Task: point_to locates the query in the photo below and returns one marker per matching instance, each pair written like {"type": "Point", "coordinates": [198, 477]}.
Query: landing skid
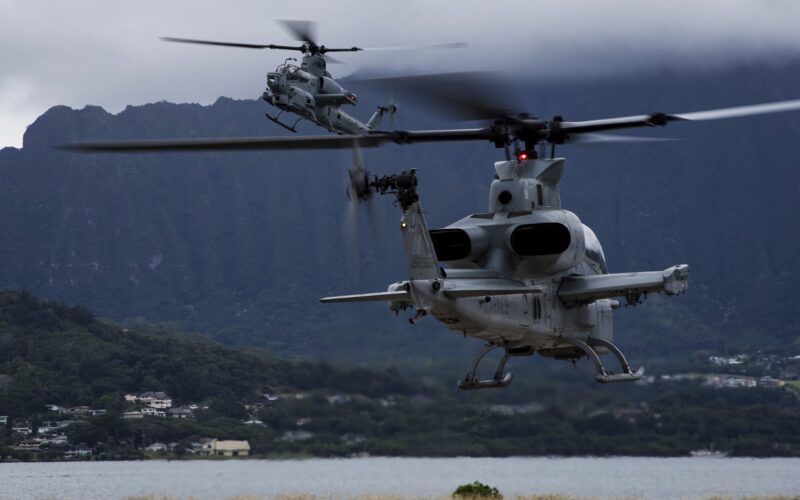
{"type": "Point", "coordinates": [277, 120]}
{"type": "Point", "coordinates": [471, 382]}
{"type": "Point", "coordinates": [604, 376]}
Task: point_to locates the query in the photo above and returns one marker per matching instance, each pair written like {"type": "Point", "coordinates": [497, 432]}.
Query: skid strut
{"type": "Point", "coordinates": [471, 381]}
{"type": "Point", "coordinates": [277, 120]}
{"type": "Point", "coordinates": [604, 376]}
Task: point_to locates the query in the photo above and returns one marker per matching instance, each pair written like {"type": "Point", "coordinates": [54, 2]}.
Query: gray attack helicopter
{"type": "Point", "coordinates": [527, 276]}
{"type": "Point", "coordinates": [308, 90]}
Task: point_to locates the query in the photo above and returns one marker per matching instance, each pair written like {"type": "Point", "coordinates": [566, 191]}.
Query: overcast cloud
{"type": "Point", "coordinates": [107, 52]}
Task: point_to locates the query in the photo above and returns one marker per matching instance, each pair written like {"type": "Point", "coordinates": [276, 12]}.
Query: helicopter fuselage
{"type": "Point", "coordinates": [309, 92]}
{"type": "Point", "coordinates": [527, 276]}
{"type": "Point", "coordinates": [535, 319]}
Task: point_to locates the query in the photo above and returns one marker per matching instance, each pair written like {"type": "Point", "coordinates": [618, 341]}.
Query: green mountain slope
{"type": "Point", "coordinates": [51, 353]}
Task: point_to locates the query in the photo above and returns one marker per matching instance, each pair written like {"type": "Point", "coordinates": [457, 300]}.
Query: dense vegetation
{"type": "Point", "coordinates": [51, 353]}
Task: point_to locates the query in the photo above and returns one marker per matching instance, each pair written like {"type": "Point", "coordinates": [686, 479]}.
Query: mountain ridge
{"type": "Point", "coordinates": [241, 246]}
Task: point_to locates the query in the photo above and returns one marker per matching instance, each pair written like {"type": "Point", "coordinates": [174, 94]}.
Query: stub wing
{"type": "Point", "coordinates": [452, 288]}
{"type": "Point", "coordinates": [369, 297]}
{"type": "Point", "coordinates": [456, 289]}
{"type": "Point", "coordinates": [584, 289]}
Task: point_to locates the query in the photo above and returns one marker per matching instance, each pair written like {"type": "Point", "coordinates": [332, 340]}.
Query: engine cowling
{"type": "Point", "coordinates": [552, 245]}
{"type": "Point", "coordinates": [456, 245]}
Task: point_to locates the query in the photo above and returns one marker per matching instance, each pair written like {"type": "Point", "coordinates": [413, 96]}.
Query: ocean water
{"type": "Point", "coordinates": [615, 477]}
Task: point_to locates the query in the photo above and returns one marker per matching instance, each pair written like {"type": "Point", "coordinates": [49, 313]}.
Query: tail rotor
{"type": "Point", "coordinates": [359, 193]}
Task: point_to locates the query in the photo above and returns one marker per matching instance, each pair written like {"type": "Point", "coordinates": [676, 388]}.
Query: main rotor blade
{"type": "Point", "coordinates": [453, 45]}
{"type": "Point", "coordinates": [305, 31]}
{"type": "Point", "coordinates": [560, 130]}
{"type": "Point", "coordinates": [570, 128]}
{"type": "Point", "coordinates": [613, 138]}
{"type": "Point", "coordinates": [232, 44]}
{"type": "Point", "coordinates": [325, 50]}
{"type": "Point", "coordinates": [283, 143]}
{"type": "Point", "coordinates": [464, 96]}
{"type": "Point", "coordinates": [227, 144]}
{"type": "Point", "coordinates": [737, 111]}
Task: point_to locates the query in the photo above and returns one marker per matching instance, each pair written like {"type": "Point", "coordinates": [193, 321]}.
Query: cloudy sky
{"type": "Point", "coordinates": [107, 52]}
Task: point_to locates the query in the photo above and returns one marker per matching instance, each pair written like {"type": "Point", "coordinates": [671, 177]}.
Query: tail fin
{"type": "Point", "coordinates": [375, 121]}
{"type": "Point", "coordinates": [420, 252]}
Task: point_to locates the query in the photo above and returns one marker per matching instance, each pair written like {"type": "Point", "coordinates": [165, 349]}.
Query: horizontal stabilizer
{"type": "Point", "coordinates": [368, 297]}
{"type": "Point", "coordinates": [584, 289]}
{"type": "Point", "coordinates": [457, 289]}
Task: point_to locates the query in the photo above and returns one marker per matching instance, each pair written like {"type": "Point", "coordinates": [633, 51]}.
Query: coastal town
{"type": "Point", "coordinates": [50, 435]}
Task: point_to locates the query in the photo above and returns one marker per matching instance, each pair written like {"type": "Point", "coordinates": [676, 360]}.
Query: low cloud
{"type": "Point", "coordinates": [108, 53]}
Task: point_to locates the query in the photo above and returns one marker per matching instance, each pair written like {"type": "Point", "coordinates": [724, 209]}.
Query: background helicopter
{"type": "Point", "coordinates": [308, 90]}
{"type": "Point", "coordinates": [527, 276]}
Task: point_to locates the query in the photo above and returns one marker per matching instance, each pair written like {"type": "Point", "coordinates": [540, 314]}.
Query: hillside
{"type": "Point", "coordinates": [61, 370]}
{"type": "Point", "coordinates": [57, 354]}
{"type": "Point", "coordinates": [240, 246]}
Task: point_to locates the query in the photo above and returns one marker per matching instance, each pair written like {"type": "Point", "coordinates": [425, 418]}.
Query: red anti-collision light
{"type": "Point", "coordinates": [522, 156]}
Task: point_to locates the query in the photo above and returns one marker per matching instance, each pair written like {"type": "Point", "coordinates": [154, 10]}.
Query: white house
{"type": "Point", "coordinates": [157, 447]}
{"type": "Point", "coordinates": [231, 448]}
{"type": "Point", "coordinates": [156, 399]}
{"type": "Point", "coordinates": [204, 446]}
{"type": "Point", "coordinates": [149, 411]}
{"type": "Point", "coordinates": [161, 403]}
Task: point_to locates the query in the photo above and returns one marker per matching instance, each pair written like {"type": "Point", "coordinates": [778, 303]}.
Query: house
{"type": "Point", "coordinates": [32, 445]}
{"type": "Point", "coordinates": [149, 411]}
{"type": "Point", "coordinates": [131, 398]}
{"type": "Point", "coordinates": [55, 409]}
{"type": "Point", "coordinates": [50, 426]}
{"type": "Point", "coordinates": [128, 415]}
{"type": "Point", "coordinates": [203, 446]}
{"type": "Point", "coordinates": [97, 413]}
{"type": "Point", "coordinates": [78, 453]}
{"type": "Point", "coordinates": [181, 412]}
{"type": "Point", "coordinates": [58, 439]}
{"type": "Point", "coordinates": [3, 420]}
{"type": "Point", "coordinates": [79, 410]}
{"type": "Point", "coordinates": [231, 448]}
{"type": "Point", "coordinates": [767, 381]}
{"type": "Point", "coordinates": [21, 427]}
{"type": "Point", "coordinates": [156, 399]}
{"type": "Point", "coordinates": [157, 447]}
{"type": "Point", "coordinates": [47, 427]}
